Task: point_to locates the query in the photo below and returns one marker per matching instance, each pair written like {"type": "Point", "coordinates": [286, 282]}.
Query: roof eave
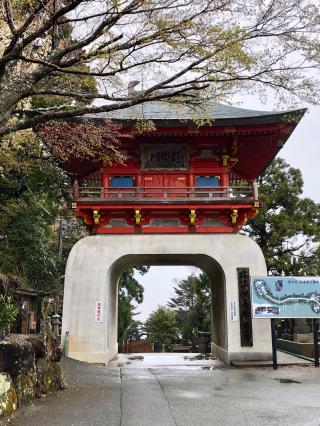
{"type": "Point", "coordinates": [293, 116]}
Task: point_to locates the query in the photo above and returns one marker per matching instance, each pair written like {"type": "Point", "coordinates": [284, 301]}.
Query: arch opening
{"type": "Point", "coordinates": [218, 310]}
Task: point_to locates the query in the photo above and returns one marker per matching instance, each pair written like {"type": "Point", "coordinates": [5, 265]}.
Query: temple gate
{"type": "Point", "coordinates": [180, 198]}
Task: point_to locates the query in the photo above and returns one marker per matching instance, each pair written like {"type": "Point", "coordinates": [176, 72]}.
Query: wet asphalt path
{"type": "Point", "coordinates": [166, 390]}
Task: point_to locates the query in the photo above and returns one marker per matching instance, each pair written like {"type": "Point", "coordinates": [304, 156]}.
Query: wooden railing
{"type": "Point", "coordinates": [164, 193]}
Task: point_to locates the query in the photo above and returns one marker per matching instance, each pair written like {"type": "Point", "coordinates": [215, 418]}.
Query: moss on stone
{"type": "Point", "coordinates": [11, 403]}
{"type": "Point", "coordinates": [26, 387]}
{"type": "Point", "coordinates": [8, 396]}
{"type": "Point", "coordinates": [55, 377]}
{"type": "Point", "coordinates": [50, 377]}
{"type": "Point", "coordinates": [28, 370]}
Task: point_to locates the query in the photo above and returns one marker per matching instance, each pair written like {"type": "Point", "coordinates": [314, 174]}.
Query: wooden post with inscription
{"type": "Point", "coordinates": [245, 313]}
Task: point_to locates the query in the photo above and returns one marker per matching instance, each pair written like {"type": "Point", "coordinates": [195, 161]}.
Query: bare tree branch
{"type": "Point", "coordinates": [8, 11]}
{"type": "Point", "coordinates": [57, 57]}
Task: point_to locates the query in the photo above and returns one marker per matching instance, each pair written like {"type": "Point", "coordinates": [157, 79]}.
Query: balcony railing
{"type": "Point", "coordinates": [162, 194]}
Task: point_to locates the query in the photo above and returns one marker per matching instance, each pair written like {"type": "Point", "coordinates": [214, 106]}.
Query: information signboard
{"type": "Point", "coordinates": [285, 297]}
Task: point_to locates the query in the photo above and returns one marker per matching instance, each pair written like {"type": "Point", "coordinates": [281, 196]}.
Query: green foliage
{"type": "Point", "coordinates": [161, 326]}
{"type": "Point", "coordinates": [33, 195]}
{"type": "Point", "coordinates": [192, 304]}
{"type": "Point", "coordinates": [130, 292]}
{"type": "Point", "coordinates": [24, 6]}
{"type": "Point", "coordinates": [134, 331]}
{"type": "Point", "coordinates": [288, 226]}
{"type": "Point", "coordinates": [76, 83]}
{"type": "Point", "coordinates": [8, 311]}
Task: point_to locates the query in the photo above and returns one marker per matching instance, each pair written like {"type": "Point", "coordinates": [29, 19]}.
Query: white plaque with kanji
{"type": "Point", "coordinates": [99, 312]}
{"type": "Point", "coordinates": [233, 311]}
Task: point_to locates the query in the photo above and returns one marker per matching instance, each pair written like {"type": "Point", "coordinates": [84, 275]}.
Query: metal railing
{"type": "Point", "coordinates": [162, 193]}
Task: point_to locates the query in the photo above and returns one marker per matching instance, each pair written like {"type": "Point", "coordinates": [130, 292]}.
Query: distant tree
{"type": "Point", "coordinates": [177, 48]}
{"type": "Point", "coordinates": [192, 304]}
{"type": "Point", "coordinates": [130, 293]}
{"type": "Point", "coordinates": [287, 228]}
{"type": "Point", "coordinates": [35, 224]}
{"type": "Point", "coordinates": [134, 331]}
{"type": "Point", "coordinates": [161, 326]}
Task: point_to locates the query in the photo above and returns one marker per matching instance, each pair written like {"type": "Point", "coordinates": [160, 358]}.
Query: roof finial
{"type": "Point", "coordinates": [131, 85]}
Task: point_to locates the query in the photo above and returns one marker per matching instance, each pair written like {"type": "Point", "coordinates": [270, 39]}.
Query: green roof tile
{"type": "Point", "coordinates": [164, 111]}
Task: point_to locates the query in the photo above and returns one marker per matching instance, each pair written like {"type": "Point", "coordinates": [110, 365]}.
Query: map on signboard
{"type": "Point", "coordinates": [285, 297]}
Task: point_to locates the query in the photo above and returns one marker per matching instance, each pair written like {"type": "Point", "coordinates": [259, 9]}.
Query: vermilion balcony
{"type": "Point", "coordinates": [159, 195]}
{"type": "Point", "coordinates": [165, 209]}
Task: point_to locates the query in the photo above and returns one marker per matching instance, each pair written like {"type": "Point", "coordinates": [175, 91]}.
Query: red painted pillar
{"type": "Point", "coordinates": [104, 184]}
{"type": "Point", "coordinates": [75, 190]}
{"type": "Point", "coordinates": [138, 185]}
{"type": "Point", "coordinates": [225, 183]}
{"type": "Point", "coordinates": [191, 184]}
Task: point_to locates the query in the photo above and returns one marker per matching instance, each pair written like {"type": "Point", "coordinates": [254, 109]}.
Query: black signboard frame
{"type": "Point", "coordinates": [164, 156]}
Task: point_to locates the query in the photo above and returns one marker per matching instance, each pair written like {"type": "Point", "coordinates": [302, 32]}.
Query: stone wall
{"type": "Point", "coordinates": [29, 369]}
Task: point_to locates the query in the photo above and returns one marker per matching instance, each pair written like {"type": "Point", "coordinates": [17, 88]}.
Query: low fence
{"type": "Point", "coordinates": [141, 346]}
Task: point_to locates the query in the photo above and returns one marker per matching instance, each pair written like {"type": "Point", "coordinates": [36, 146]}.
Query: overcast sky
{"type": "Point", "coordinates": [302, 151]}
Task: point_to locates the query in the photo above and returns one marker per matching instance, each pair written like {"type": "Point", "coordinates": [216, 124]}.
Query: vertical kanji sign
{"type": "Point", "coordinates": [233, 311]}
{"type": "Point", "coordinates": [99, 312]}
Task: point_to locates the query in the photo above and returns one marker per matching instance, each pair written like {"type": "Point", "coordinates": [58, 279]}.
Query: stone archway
{"type": "Point", "coordinates": [96, 263]}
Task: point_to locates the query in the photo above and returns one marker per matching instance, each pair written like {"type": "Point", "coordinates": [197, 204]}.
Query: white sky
{"type": "Point", "coordinates": [158, 285]}
{"type": "Point", "coordinates": [302, 151]}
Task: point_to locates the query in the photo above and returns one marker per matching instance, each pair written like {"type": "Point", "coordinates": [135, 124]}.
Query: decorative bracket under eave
{"type": "Point", "coordinates": [225, 160]}
{"type": "Point", "coordinates": [228, 161]}
{"type": "Point", "coordinates": [256, 208]}
{"type": "Point", "coordinates": [234, 216]}
{"type": "Point", "coordinates": [193, 217]}
{"type": "Point", "coordinates": [137, 217]}
{"type": "Point", "coordinates": [96, 217]}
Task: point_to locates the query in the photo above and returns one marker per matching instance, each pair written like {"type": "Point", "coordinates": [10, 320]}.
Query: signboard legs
{"type": "Point", "coordinates": [315, 342]}
{"type": "Point", "coordinates": [274, 344]}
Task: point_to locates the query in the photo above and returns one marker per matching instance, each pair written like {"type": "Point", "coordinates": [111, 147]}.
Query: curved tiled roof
{"type": "Point", "coordinates": [256, 149]}
{"type": "Point", "coordinates": [162, 111]}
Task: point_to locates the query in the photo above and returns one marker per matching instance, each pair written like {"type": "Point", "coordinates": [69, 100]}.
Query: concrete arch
{"type": "Point", "coordinates": [95, 265]}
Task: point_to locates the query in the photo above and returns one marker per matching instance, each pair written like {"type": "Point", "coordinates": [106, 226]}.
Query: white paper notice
{"type": "Point", "coordinates": [99, 312]}
{"type": "Point", "coordinates": [233, 311]}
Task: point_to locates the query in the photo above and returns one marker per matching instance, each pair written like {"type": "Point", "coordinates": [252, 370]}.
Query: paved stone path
{"type": "Point", "coordinates": [167, 390]}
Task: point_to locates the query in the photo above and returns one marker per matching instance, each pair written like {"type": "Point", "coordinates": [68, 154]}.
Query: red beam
{"type": "Point", "coordinates": [166, 230]}
{"type": "Point", "coordinates": [162, 206]}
